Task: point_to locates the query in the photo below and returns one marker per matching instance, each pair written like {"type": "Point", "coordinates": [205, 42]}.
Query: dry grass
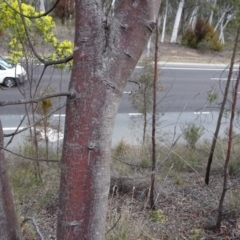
{"type": "Point", "coordinates": [186, 207]}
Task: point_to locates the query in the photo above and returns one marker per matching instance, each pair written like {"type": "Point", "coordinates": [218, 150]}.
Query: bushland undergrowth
{"type": "Point", "coordinates": [186, 207]}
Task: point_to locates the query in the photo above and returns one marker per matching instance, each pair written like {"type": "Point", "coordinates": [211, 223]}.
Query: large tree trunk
{"type": "Point", "coordinates": [9, 228]}
{"type": "Point", "coordinates": [106, 53]}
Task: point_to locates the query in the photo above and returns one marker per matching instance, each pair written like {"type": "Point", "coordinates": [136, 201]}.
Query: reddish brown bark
{"type": "Point", "coordinates": [154, 112]}
{"type": "Point", "coordinates": [9, 228]}
{"type": "Point", "coordinates": [106, 52]}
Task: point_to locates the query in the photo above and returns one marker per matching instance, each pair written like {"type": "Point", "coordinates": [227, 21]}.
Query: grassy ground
{"type": "Point", "coordinates": [186, 207]}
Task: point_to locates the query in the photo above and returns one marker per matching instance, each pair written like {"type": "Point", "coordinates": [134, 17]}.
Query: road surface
{"type": "Point", "coordinates": [185, 87]}
{"type": "Point", "coordinates": [183, 99]}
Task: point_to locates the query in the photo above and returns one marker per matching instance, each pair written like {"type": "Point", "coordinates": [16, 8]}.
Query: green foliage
{"type": "Point", "coordinates": [212, 96]}
{"type": "Point", "coordinates": [184, 160]}
{"type": "Point", "coordinates": [234, 167]}
{"type": "Point", "coordinates": [125, 228]}
{"type": "Point", "coordinates": [196, 233]}
{"type": "Point", "coordinates": [189, 38]}
{"type": "Point", "coordinates": [121, 149]}
{"type": "Point", "coordinates": [203, 37]}
{"type": "Point", "coordinates": [192, 133]}
{"type": "Point", "coordinates": [40, 31]}
{"type": "Point", "coordinates": [204, 45]}
{"type": "Point", "coordinates": [146, 161]}
{"type": "Point", "coordinates": [157, 216]}
{"type": "Point", "coordinates": [46, 105]}
{"type": "Point", "coordinates": [142, 98]}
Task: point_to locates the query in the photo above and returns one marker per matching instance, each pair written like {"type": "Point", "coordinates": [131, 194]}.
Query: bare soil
{"type": "Point", "coordinates": [177, 53]}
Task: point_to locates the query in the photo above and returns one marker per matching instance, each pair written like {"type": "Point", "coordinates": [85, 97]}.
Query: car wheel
{"type": "Point", "coordinates": [9, 82]}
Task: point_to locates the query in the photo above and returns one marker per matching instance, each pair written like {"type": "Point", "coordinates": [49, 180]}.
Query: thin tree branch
{"type": "Point", "coordinates": [33, 17]}
{"type": "Point", "coordinates": [19, 125]}
{"type": "Point", "coordinates": [114, 225]}
{"type": "Point", "coordinates": [36, 100]}
{"type": "Point", "coordinates": [29, 158]}
{"type": "Point", "coordinates": [229, 151]}
{"type": "Point", "coordinates": [130, 164]}
{"type": "Point", "coordinates": [210, 158]}
{"type": "Point", "coordinates": [29, 219]}
{"type": "Point", "coordinates": [24, 129]}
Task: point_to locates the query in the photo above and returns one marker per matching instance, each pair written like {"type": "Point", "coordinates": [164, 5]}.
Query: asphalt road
{"type": "Point", "coordinates": [183, 99]}
{"type": "Point", "coordinates": [185, 88]}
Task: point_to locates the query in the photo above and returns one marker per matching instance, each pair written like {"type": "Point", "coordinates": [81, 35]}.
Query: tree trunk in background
{"type": "Point", "coordinates": [177, 22]}
{"type": "Point", "coordinates": [149, 47]}
{"type": "Point", "coordinates": [9, 228]}
{"type": "Point", "coordinates": [194, 15]}
{"type": "Point", "coordinates": [105, 54]}
{"type": "Point", "coordinates": [42, 6]}
{"type": "Point", "coordinates": [210, 21]}
{"type": "Point", "coordinates": [164, 22]}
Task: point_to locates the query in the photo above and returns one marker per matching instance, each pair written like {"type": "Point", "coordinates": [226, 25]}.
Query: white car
{"type": "Point", "coordinates": [11, 75]}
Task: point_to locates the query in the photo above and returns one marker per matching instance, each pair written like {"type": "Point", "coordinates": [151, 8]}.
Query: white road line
{"type": "Point", "coordinates": [195, 64]}
{"type": "Point", "coordinates": [198, 69]}
{"type": "Point", "coordinates": [135, 114]}
{"type": "Point", "coordinates": [61, 115]}
{"type": "Point", "coordinates": [192, 68]}
{"type": "Point", "coordinates": [11, 128]}
{"type": "Point", "coordinates": [222, 79]}
{"type": "Point", "coordinates": [198, 113]}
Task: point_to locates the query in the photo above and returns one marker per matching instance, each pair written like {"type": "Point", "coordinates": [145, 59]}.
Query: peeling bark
{"type": "Point", "coordinates": [105, 55]}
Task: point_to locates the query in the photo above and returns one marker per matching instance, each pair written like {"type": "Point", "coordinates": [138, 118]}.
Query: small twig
{"type": "Point", "coordinates": [29, 158]}
{"type": "Point", "coordinates": [114, 225]}
{"type": "Point", "coordinates": [24, 129]}
{"type": "Point", "coordinates": [136, 82]}
{"type": "Point", "coordinates": [36, 100]}
{"type": "Point", "coordinates": [33, 17]}
{"type": "Point", "coordinates": [29, 219]}
{"type": "Point", "coordinates": [130, 164]}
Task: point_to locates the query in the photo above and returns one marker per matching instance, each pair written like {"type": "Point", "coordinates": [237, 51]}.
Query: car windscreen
{"type": "Point", "coordinates": [6, 64]}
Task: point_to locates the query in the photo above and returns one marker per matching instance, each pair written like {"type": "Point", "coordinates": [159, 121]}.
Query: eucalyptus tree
{"type": "Point", "coordinates": [177, 21]}
{"type": "Point", "coordinates": [107, 48]}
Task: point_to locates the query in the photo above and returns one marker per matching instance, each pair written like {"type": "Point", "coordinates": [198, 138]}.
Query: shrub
{"type": "Point", "coordinates": [199, 30]}
{"type": "Point", "coordinates": [203, 37]}
{"type": "Point", "coordinates": [189, 38]}
{"type": "Point", "coordinates": [192, 133]}
{"type": "Point", "coordinates": [204, 45]}
{"type": "Point", "coordinates": [121, 148]}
